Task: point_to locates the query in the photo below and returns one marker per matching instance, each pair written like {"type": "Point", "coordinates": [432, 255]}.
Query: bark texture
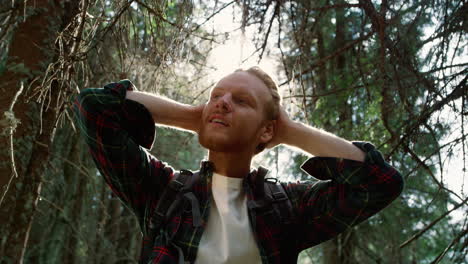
{"type": "Point", "coordinates": [31, 50]}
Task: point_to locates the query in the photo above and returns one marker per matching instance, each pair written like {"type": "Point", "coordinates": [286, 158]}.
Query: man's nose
{"type": "Point", "coordinates": [224, 102]}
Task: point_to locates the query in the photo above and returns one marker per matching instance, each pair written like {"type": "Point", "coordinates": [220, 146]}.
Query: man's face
{"type": "Point", "coordinates": [233, 119]}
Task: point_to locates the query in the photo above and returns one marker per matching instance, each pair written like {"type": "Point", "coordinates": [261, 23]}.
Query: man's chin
{"type": "Point", "coordinates": [216, 144]}
{"type": "Point", "coordinates": [212, 145]}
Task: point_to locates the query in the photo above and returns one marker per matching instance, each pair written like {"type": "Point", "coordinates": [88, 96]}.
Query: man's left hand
{"type": "Point", "coordinates": [282, 128]}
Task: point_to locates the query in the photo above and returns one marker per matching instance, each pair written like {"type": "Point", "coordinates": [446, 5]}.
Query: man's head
{"type": "Point", "coordinates": [241, 112]}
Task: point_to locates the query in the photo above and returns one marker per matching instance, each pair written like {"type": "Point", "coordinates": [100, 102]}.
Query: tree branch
{"type": "Point", "coordinates": [422, 231]}
{"type": "Point", "coordinates": [458, 92]}
{"type": "Point", "coordinates": [454, 241]}
{"type": "Point", "coordinates": [329, 57]}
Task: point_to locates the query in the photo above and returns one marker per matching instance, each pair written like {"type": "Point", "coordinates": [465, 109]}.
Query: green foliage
{"type": "Point", "coordinates": [360, 95]}
{"type": "Point", "coordinates": [180, 150]}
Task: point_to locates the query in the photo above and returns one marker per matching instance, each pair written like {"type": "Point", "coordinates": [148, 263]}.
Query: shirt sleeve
{"type": "Point", "coordinates": [118, 131]}
{"type": "Point", "coordinates": [347, 192]}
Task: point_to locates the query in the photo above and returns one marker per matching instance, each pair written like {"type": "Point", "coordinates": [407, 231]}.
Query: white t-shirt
{"type": "Point", "coordinates": [228, 237]}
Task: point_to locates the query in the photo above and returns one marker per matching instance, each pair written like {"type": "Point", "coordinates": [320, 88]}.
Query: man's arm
{"type": "Point", "coordinates": [312, 140]}
{"type": "Point", "coordinates": [117, 130]}
{"type": "Point", "coordinates": [354, 182]}
{"type": "Point", "coordinates": [168, 112]}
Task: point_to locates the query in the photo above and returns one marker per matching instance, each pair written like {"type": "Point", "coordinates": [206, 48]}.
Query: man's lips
{"type": "Point", "coordinates": [218, 120]}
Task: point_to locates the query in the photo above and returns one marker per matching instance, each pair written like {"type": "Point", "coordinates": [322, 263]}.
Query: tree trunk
{"type": "Point", "coordinates": [331, 252]}
{"type": "Point", "coordinates": [113, 226]}
{"type": "Point", "coordinates": [98, 248]}
{"type": "Point", "coordinates": [31, 49]}
{"type": "Point", "coordinates": [51, 224]}
{"type": "Point", "coordinates": [322, 71]}
{"type": "Point", "coordinates": [340, 249]}
{"type": "Point", "coordinates": [340, 70]}
{"type": "Point", "coordinates": [75, 215]}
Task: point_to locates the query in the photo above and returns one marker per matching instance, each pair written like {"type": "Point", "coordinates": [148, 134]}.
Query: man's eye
{"type": "Point", "coordinates": [240, 100]}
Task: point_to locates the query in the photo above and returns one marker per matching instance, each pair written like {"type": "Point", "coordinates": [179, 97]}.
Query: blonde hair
{"type": "Point", "coordinates": [272, 108]}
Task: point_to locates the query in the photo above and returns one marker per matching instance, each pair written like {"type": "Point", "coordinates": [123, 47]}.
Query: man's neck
{"type": "Point", "coordinates": [236, 165]}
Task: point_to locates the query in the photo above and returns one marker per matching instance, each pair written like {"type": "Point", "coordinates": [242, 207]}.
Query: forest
{"type": "Point", "coordinates": [390, 72]}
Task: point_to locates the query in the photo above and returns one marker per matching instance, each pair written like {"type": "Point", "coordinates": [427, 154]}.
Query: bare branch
{"type": "Point", "coordinates": [10, 125]}
{"type": "Point", "coordinates": [457, 92]}
{"type": "Point", "coordinates": [422, 231]}
{"type": "Point", "coordinates": [329, 57]}
{"type": "Point", "coordinates": [275, 13]}
{"type": "Point", "coordinates": [454, 241]}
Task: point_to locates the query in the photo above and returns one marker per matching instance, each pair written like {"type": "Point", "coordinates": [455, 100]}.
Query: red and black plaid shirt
{"type": "Point", "coordinates": [118, 132]}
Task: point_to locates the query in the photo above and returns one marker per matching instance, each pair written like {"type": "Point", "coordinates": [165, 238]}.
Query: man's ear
{"type": "Point", "coordinates": [268, 131]}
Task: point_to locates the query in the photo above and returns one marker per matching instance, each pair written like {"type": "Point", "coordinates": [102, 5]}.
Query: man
{"type": "Point", "coordinates": [242, 116]}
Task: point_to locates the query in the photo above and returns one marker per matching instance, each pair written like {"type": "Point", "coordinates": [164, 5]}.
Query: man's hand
{"type": "Point", "coordinates": [312, 140]}
{"type": "Point", "coordinates": [282, 129]}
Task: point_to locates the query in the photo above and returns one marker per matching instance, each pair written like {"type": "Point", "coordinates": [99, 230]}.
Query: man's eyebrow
{"type": "Point", "coordinates": [246, 94]}
{"type": "Point", "coordinates": [217, 88]}
{"type": "Point", "coordinates": [249, 97]}
{"type": "Point", "coordinates": [239, 93]}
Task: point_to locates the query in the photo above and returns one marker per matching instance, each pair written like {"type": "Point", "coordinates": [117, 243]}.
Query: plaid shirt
{"type": "Point", "coordinates": [118, 130]}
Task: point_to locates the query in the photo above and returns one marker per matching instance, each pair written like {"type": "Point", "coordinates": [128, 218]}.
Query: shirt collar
{"type": "Point", "coordinates": [253, 180]}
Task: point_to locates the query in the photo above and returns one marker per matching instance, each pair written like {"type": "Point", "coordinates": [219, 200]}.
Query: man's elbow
{"type": "Point", "coordinates": [398, 184]}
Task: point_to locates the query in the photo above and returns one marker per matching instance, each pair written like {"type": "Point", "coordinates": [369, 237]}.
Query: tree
{"type": "Point", "coordinates": [30, 32]}
{"type": "Point", "coordinates": [57, 48]}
